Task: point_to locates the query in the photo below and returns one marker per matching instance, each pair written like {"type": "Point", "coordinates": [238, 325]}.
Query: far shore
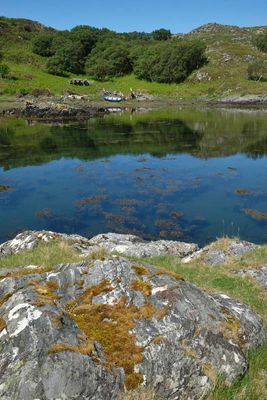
{"type": "Point", "coordinates": [71, 107]}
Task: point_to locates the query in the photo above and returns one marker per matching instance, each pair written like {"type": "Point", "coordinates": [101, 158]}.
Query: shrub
{"type": "Point", "coordinates": [55, 67]}
{"type": "Point", "coordinates": [257, 71]}
{"type": "Point", "coordinates": [4, 70]}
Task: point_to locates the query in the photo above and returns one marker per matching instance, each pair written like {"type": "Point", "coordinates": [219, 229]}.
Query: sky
{"type": "Point", "coordinates": [140, 15]}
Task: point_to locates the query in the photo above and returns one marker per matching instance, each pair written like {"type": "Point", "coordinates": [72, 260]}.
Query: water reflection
{"type": "Point", "coordinates": [174, 174]}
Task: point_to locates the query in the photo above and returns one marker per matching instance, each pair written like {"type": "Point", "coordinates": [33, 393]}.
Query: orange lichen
{"type": "Point", "coordinates": [210, 372]}
{"type": "Point", "coordinates": [191, 352]}
{"type": "Point", "coordinates": [45, 292]}
{"type": "Point", "coordinates": [56, 321]}
{"type": "Point", "coordinates": [141, 286]}
{"type": "Point", "coordinates": [86, 348]}
{"type": "Point", "coordinates": [157, 339]}
{"type": "Point", "coordinates": [231, 329]}
{"type": "Point", "coordinates": [133, 380]}
{"type": "Point", "coordinates": [2, 324]}
{"type": "Point", "coordinates": [25, 271]}
{"type": "Point", "coordinates": [140, 270]}
{"type": "Point", "coordinates": [4, 298]}
{"type": "Point", "coordinates": [93, 291]}
{"type": "Point", "coordinates": [162, 312]}
{"type": "Point", "coordinates": [147, 310]}
{"type": "Point", "coordinates": [163, 271]}
{"type": "Point", "coordinates": [111, 326]}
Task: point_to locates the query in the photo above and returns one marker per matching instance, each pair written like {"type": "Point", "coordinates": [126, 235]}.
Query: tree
{"type": "Point", "coordinates": [43, 45]}
{"type": "Point", "coordinates": [257, 71]}
{"type": "Point", "coordinates": [109, 59]}
{"type": "Point", "coordinates": [72, 48]}
{"type": "Point", "coordinates": [86, 37]}
{"type": "Point", "coordinates": [171, 62]}
{"type": "Point", "coordinates": [55, 67]}
{"type": "Point", "coordinates": [261, 41]}
{"type": "Point", "coordinates": [161, 34]}
{"type": "Point", "coordinates": [141, 36]}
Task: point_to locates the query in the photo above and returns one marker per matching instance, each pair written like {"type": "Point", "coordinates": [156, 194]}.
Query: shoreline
{"type": "Point", "coordinates": [68, 108]}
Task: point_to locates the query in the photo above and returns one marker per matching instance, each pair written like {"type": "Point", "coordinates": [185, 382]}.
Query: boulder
{"type": "Point", "coordinates": [92, 329]}
{"type": "Point", "coordinates": [220, 252]}
{"type": "Point", "coordinates": [260, 274]}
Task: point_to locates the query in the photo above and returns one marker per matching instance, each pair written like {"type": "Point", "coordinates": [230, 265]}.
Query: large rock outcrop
{"type": "Point", "coordinates": [127, 245]}
{"type": "Point", "coordinates": [91, 329]}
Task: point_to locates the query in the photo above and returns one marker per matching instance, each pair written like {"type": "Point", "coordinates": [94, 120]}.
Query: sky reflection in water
{"type": "Point", "coordinates": [188, 175]}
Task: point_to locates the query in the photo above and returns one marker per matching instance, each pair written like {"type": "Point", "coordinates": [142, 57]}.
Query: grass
{"type": "Point", "coordinates": [220, 278]}
{"type": "Point", "coordinates": [253, 386]}
{"type": "Point", "coordinates": [45, 255]}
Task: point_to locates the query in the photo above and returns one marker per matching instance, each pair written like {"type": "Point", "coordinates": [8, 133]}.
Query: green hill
{"type": "Point", "coordinates": [230, 49]}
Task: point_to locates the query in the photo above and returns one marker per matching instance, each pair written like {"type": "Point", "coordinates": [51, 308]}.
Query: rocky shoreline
{"type": "Point", "coordinates": [106, 324]}
{"type": "Point", "coordinates": [73, 107]}
{"type": "Point", "coordinates": [52, 111]}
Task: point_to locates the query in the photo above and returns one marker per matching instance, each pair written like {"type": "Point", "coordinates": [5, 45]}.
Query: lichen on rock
{"type": "Point", "coordinates": [95, 328]}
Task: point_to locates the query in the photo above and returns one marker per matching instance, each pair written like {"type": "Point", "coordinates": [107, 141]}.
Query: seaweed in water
{"type": "Point", "coordinates": [243, 192]}
{"type": "Point", "coordinates": [258, 215]}
{"type": "Point", "coordinates": [4, 188]}
{"type": "Point", "coordinates": [90, 199]}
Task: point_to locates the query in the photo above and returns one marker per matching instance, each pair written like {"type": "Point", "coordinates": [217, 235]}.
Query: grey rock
{"type": "Point", "coordinates": [50, 111]}
{"type": "Point", "coordinates": [133, 246]}
{"type": "Point", "coordinates": [202, 75]}
{"type": "Point", "coordinates": [226, 57]}
{"type": "Point", "coordinates": [260, 274]}
{"type": "Point", "coordinates": [128, 245]}
{"type": "Point", "coordinates": [240, 247]}
{"type": "Point", "coordinates": [246, 99]}
{"type": "Point", "coordinates": [214, 255]}
{"type": "Point", "coordinates": [249, 57]}
{"type": "Point", "coordinates": [189, 337]}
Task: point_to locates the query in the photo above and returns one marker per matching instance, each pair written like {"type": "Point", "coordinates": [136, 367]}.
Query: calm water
{"type": "Point", "coordinates": [186, 175]}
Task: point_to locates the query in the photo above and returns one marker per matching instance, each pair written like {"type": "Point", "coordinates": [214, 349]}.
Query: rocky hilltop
{"type": "Point", "coordinates": [106, 324]}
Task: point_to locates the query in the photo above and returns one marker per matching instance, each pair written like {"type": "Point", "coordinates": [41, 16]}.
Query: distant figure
{"type": "Point", "coordinates": [132, 94]}
{"type": "Point", "coordinates": [29, 104]}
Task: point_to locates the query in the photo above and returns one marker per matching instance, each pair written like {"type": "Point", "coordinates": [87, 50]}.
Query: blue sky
{"type": "Point", "coordinates": [141, 15]}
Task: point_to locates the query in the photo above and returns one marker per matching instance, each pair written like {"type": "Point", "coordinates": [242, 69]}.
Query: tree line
{"type": "Point", "coordinates": [104, 54]}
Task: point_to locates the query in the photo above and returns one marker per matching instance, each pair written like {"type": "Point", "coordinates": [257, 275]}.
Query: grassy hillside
{"type": "Point", "coordinates": [229, 51]}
